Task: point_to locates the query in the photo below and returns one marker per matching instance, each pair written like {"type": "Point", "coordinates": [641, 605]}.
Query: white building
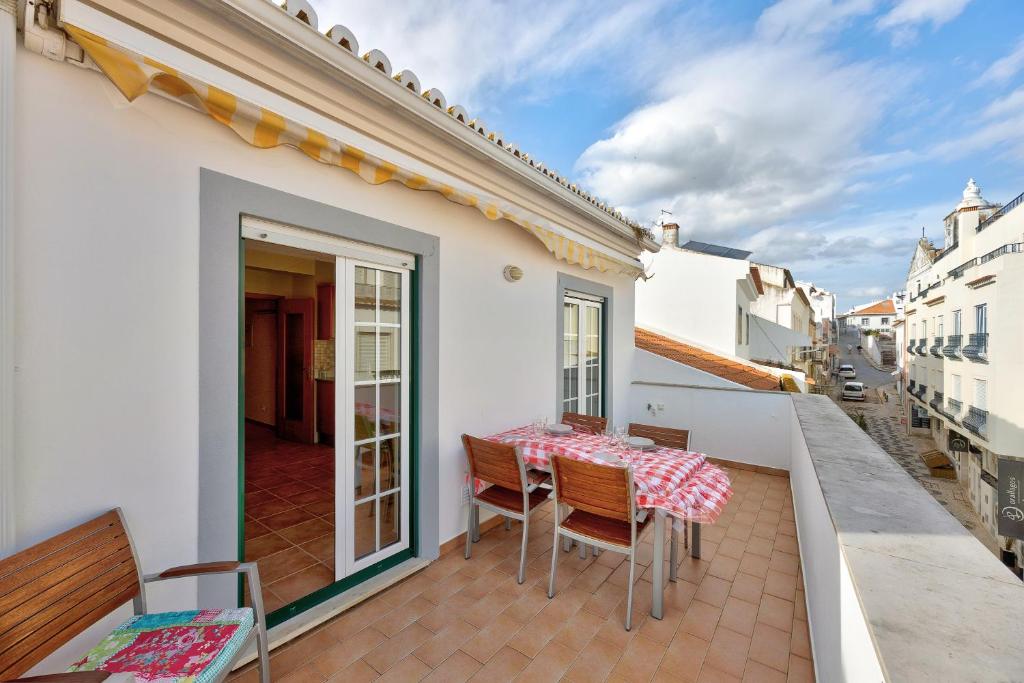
{"type": "Point", "coordinates": [877, 316]}
{"type": "Point", "coordinates": [963, 326]}
{"type": "Point", "coordinates": [217, 169]}
{"type": "Point", "coordinates": [783, 302]}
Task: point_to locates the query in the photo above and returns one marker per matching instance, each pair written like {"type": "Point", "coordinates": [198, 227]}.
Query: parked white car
{"type": "Point", "coordinates": [847, 372]}
{"type": "Point", "coordinates": [853, 391]}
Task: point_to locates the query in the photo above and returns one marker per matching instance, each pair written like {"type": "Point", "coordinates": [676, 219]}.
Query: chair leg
{"type": "Point", "coordinates": [673, 555]}
{"type": "Point", "coordinates": [583, 551]}
{"type": "Point", "coordinates": [469, 528]}
{"type": "Point", "coordinates": [566, 544]}
{"type": "Point", "coordinates": [554, 565]}
{"type": "Point", "coordinates": [522, 553]}
{"type": "Point", "coordinates": [508, 524]}
{"type": "Point", "coordinates": [476, 524]}
{"type": "Point", "coordinates": [629, 594]}
{"type": "Point", "coordinates": [261, 647]}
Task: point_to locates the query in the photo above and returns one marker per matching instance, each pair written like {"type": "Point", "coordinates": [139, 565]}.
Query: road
{"type": "Point", "coordinates": [866, 372]}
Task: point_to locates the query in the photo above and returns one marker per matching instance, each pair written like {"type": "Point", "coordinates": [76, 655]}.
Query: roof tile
{"type": "Point", "coordinates": [719, 366]}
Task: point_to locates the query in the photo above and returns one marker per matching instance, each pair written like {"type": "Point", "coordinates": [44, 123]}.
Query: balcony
{"type": "Point", "coordinates": [919, 392]}
{"type": "Point", "coordinates": [921, 346]}
{"type": "Point", "coordinates": [977, 347]}
{"type": "Point", "coordinates": [910, 347]}
{"type": "Point", "coordinates": [936, 348]}
{"type": "Point", "coordinates": [937, 402]}
{"type": "Point", "coordinates": [952, 348]}
{"type": "Point", "coordinates": [976, 421]}
{"type": "Point", "coordinates": [955, 408]}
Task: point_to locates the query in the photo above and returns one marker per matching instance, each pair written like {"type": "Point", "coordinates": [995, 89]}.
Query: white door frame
{"type": "Point", "coordinates": [584, 303]}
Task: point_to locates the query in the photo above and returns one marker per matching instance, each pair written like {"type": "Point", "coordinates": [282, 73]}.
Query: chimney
{"type": "Point", "coordinates": [670, 235]}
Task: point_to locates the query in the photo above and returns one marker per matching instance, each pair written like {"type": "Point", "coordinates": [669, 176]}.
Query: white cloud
{"type": "Point", "coordinates": [474, 51]}
{"type": "Point", "coordinates": [745, 137]}
{"type": "Point", "coordinates": [1005, 68]}
{"type": "Point", "coordinates": [904, 19]}
{"type": "Point", "coordinates": [792, 19]}
{"type": "Point", "coordinates": [875, 291]}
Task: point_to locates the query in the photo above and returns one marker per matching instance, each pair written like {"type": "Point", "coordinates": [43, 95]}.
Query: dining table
{"type": "Point", "coordinates": [670, 483]}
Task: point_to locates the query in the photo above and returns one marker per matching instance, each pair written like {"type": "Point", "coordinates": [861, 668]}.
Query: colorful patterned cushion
{"type": "Point", "coordinates": [172, 647]}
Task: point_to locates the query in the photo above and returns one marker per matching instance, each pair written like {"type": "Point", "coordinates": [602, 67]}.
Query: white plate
{"type": "Point", "coordinates": [559, 429]}
{"type": "Point", "coordinates": [608, 457]}
{"type": "Point", "coordinates": [641, 442]}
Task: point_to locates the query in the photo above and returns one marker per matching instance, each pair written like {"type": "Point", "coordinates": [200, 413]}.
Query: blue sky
{"type": "Point", "coordinates": [820, 134]}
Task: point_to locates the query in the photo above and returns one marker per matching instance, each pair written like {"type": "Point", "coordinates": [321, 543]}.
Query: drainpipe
{"type": "Point", "coordinates": [8, 41]}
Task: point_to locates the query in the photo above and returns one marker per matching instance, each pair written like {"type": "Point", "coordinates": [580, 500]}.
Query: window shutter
{"type": "Point", "coordinates": [980, 394]}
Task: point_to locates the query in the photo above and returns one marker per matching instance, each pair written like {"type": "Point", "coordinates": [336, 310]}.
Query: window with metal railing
{"type": "Point", "coordinates": [952, 348]}
{"type": "Point", "coordinates": [976, 421]}
{"type": "Point", "coordinates": [936, 347]}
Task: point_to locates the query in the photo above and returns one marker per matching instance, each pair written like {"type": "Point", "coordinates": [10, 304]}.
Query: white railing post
{"type": "Point", "coordinates": [8, 42]}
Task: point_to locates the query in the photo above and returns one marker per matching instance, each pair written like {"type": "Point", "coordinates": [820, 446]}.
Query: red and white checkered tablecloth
{"type": "Point", "coordinates": [682, 483]}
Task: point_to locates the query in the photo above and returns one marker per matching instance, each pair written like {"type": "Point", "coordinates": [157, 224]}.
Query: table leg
{"type": "Point", "coordinates": [658, 576]}
{"type": "Point", "coordinates": [695, 548]}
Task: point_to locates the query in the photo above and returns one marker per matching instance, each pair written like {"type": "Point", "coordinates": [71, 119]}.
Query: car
{"type": "Point", "coordinates": [847, 372]}
{"type": "Point", "coordinates": [854, 391]}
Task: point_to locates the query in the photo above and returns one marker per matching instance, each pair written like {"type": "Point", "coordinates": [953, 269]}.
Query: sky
{"type": "Point", "coordinates": [822, 135]}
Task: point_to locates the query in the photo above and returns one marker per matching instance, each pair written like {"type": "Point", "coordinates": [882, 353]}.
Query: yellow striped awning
{"type": "Point", "coordinates": [135, 75]}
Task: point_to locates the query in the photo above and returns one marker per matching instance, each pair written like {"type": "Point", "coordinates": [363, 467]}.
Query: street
{"type": "Point", "coordinates": [886, 425]}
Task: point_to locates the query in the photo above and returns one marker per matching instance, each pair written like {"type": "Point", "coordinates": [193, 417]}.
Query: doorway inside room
{"type": "Point", "coordinates": [326, 364]}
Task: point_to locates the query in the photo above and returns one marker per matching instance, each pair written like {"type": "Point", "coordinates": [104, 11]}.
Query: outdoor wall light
{"type": "Point", "coordinates": [513, 273]}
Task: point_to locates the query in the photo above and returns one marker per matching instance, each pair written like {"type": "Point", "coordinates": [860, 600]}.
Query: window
{"type": "Point", "coordinates": [981, 318]}
{"type": "Point", "coordinates": [955, 394]}
{"type": "Point", "coordinates": [956, 321]}
{"type": "Point", "coordinates": [748, 329]}
{"type": "Point", "coordinates": [980, 394]}
{"type": "Point", "coordinates": [924, 329]}
{"type": "Point", "coordinates": [864, 322]}
{"type": "Point", "coordinates": [739, 325]}
{"type": "Point", "coordinates": [913, 331]}
{"type": "Point", "coordinates": [938, 329]}
{"type": "Point", "coordinates": [582, 357]}
{"type": "Point", "coordinates": [885, 321]}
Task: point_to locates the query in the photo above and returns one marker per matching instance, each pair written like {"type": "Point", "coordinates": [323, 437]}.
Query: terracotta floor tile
{"type": "Point", "coordinates": [503, 666]}
{"type": "Point", "coordinates": [640, 660]}
{"type": "Point", "coordinates": [731, 547]}
{"type": "Point", "coordinates": [711, 675]}
{"type": "Point", "coordinates": [728, 652]}
{"type": "Point", "coordinates": [302, 583]}
{"type": "Point", "coordinates": [769, 647]}
{"type": "Point", "coordinates": [701, 620]}
{"type": "Point", "coordinates": [264, 546]}
{"type": "Point", "coordinates": [307, 531]}
{"type": "Point", "coordinates": [549, 664]}
{"type": "Point", "coordinates": [456, 669]}
{"type": "Point", "coordinates": [776, 612]}
{"type": "Point", "coordinates": [356, 672]}
{"type": "Point", "coordinates": [759, 546]}
{"type": "Point", "coordinates": [448, 612]}
{"type": "Point", "coordinates": [392, 650]}
{"type": "Point", "coordinates": [683, 658]}
{"type": "Point", "coordinates": [269, 508]}
{"type": "Point", "coordinates": [528, 604]}
{"type": "Point", "coordinates": [577, 633]}
{"type": "Point", "coordinates": [408, 670]}
{"type": "Point", "coordinates": [340, 656]}
{"type": "Point", "coordinates": [285, 519]}
{"type": "Point", "coordinates": [747, 587]}
{"type": "Point", "coordinates": [800, 670]}
{"type": "Point", "coordinates": [491, 639]}
{"type": "Point", "coordinates": [787, 563]}
{"type": "Point", "coordinates": [713, 591]}
{"type": "Point", "coordinates": [304, 674]}
{"type": "Point", "coordinates": [321, 548]}
{"type": "Point", "coordinates": [443, 645]}
{"type": "Point", "coordinates": [800, 644]}
{"type": "Point", "coordinates": [780, 585]}
{"type": "Point", "coordinates": [594, 663]}
{"type": "Point", "coordinates": [400, 617]}
{"type": "Point", "coordinates": [759, 673]}
{"type": "Point", "coordinates": [724, 567]}
{"type": "Point", "coordinates": [755, 565]}
{"type": "Point", "coordinates": [739, 616]}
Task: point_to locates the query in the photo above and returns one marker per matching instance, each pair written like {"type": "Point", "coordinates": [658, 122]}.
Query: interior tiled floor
{"type": "Point", "coordinates": [289, 515]}
{"type": "Point", "coordinates": [736, 614]}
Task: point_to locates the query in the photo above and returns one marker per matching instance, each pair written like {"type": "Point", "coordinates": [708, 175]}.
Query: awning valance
{"type": "Point", "coordinates": [135, 74]}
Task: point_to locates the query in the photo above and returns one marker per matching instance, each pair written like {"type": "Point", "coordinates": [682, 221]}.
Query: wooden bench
{"type": "Point", "coordinates": [58, 588]}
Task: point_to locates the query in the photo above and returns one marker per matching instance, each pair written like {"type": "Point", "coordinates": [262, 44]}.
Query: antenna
{"type": "Point", "coordinates": [664, 212]}
{"type": "Point", "coordinates": [922, 232]}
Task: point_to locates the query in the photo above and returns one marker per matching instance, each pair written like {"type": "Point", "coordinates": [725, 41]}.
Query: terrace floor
{"type": "Point", "coordinates": [736, 614]}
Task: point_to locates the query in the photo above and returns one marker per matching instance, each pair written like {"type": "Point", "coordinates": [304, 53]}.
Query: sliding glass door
{"type": "Point", "coordinates": [582, 361]}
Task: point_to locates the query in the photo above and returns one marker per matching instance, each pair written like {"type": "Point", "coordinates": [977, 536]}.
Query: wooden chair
{"type": "Point", "coordinates": [663, 436]}
{"type": "Point", "coordinates": [603, 513]}
{"type": "Point", "coordinates": [592, 424]}
{"type": "Point", "coordinates": [669, 438]}
{"type": "Point", "coordinates": [510, 492]}
{"type": "Point", "coordinates": [58, 588]}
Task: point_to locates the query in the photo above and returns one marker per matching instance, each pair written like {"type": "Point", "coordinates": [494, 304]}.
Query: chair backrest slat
{"type": "Point", "coordinates": [493, 462]}
{"type": "Point", "coordinates": [588, 423]}
{"type": "Point", "coordinates": [603, 490]}
{"type": "Point", "coordinates": [53, 591]}
{"type": "Point", "coordinates": [663, 436]}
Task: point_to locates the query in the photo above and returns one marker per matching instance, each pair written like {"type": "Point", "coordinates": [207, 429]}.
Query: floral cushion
{"type": "Point", "coordinates": [172, 647]}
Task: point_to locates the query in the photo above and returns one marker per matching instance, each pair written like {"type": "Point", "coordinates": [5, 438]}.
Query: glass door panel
{"type": "Point", "coordinates": [570, 357]}
{"type": "Point", "coordinates": [375, 515]}
{"type": "Point", "coordinates": [581, 356]}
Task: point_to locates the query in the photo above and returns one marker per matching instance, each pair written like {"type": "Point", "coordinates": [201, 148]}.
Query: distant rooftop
{"type": "Point", "coordinates": [716, 250]}
{"type": "Point", "coordinates": [698, 358]}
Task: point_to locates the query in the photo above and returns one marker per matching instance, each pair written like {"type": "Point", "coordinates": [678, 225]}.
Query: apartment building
{"type": "Point", "coordinates": [962, 324]}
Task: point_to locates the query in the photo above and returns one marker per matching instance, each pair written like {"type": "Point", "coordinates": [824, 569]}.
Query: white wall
{"type": "Point", "coordinates": [650, 367]}
{"type": "Point", "coordinates": [737, 424]}
{"type": "Point", "coordinates": [107, 300]}
{"type": "Point", "coordinates": [773, 342]}
{"type": "Point", "coordinates": [693, 296]}
{"type": "Point", "coordinates": [869, 343]}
